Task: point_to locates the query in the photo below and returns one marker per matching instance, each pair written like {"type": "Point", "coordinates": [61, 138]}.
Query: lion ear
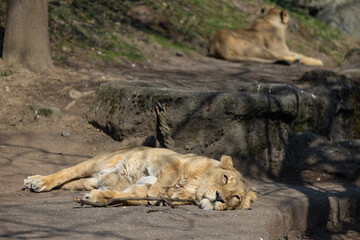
{"type": "Point", "coordinates": [226, 161]}
{"type": "Point", "coordinates": [264, 9]}
{"type": "Point", "coordinates": [284, 16]}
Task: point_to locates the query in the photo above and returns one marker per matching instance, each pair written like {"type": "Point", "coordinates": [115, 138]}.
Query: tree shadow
{"type": "Point", "coordinates": [2, 35]}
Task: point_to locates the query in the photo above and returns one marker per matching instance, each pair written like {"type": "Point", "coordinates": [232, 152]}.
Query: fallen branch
{"type": "Point", "coordinates": [120, 201]}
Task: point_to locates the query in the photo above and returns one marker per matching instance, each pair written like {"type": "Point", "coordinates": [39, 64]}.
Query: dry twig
{"type": "Point", "coordinates": [121, 201]}
{"type": "Point", "coordinates": [155, 210]}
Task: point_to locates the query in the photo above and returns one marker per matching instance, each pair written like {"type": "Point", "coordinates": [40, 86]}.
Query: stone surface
{"type": "Point", "coordinates": [351, 65]}
{"type": "Point", "coordinates": [251, 121]}
{"type": "Point", "coordinates": [352, 57]}
{"type": "Point", "coordinates": [316, 153]}
{"type": "Point", "coordinates": [342, 14]}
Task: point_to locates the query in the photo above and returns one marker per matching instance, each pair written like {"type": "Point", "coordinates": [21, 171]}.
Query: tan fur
{"type": "Point", "coordinates": [153, 172]}
{"type": "Point", "coordinates": [262, 41]}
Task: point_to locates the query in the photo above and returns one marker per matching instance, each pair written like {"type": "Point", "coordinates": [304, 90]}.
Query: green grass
{"type": "Point", "coordinates": [59, 58]}
{"type": "Point", "coordinates": [5, 73]}
{"type": "Point", "coordinates": [92, 26]}
{"type": "Point", "coordinates": [198, 20]}
{"type": "Point", "coordinates": [168, 43]}
{"type": "Point", "coordinates": [45, 112]}
{"type": "Point", "coordinates": [114, 49]}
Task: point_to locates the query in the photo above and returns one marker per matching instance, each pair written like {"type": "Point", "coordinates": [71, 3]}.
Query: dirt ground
{"type": "Point", "coordinates": [32, 143]}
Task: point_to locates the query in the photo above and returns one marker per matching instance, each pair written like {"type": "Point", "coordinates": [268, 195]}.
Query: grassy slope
{"type": "Point", "coordinates": [102, 31]}
{"type": "Point", "coordinates": [104, 27]}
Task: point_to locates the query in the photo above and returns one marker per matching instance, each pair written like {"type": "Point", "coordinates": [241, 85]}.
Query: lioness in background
{"type": "Point", "coordinates": [153, 172]}
{"type": "Point", "coordinates": [262, 41]}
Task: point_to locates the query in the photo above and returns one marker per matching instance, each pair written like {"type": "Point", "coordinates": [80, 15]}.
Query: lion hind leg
{"type": "Point", "coordinates": [260, 55]}
{"type": "Point", "coordinates": [138, 190]}
{"type": "Point", "coordinates": [249, 59]}
{"type": "Point", "coordinates": [235, 56]}
{"type": "Point", "coordinates": [89, 183]}
{"type": "Point", "coordinates": [285, 55]}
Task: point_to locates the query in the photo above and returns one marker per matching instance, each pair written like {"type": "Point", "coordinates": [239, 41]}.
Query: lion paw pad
{"type": "Point", "coordinates": [35, 184]}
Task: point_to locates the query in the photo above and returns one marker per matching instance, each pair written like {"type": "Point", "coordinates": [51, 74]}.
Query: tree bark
{"type": "Point", "coordinates": [26, 40]}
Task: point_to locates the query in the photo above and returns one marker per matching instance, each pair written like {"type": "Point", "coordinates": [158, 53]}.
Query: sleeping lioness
{"type": "Point", "coordinates": [262, 41]}
{"type": "Point", "coordinates": [153, 172]}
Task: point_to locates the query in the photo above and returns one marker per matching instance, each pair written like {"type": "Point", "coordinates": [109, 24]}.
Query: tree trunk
{"type": "Point", "coordinates": [26, 39]}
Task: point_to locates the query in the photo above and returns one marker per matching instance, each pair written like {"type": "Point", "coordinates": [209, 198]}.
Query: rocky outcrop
{"type": "Point", "coordinates": [351, 65]}
{"type": "Point", "coordinates": [326, 105]}
{"type": "Point", "coordinates": [250, 121]}
{"type": "Point", "coordinates": [342, 14]}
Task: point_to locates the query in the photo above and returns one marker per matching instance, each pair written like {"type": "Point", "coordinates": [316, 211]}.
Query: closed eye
{"type": "Point", "coordinates": [238, 197]}
{"type": "Point", "coordinates": [226, 179]}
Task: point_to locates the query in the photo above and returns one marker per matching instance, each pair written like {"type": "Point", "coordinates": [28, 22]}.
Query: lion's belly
{"type": "Point", "coordinates": [131, 169]}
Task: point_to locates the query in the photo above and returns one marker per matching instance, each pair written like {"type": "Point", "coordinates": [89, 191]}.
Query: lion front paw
{"type": "Point", "coordinates": [37, 184]}
{"type": "Point", "coordinates": [154, 193]}
{"type": "Point", "coordinates": [95, 196]}
{"type": "Point", "coordinates": [206, 204]}
{"type": "Point", "coordinates": [154, 202]}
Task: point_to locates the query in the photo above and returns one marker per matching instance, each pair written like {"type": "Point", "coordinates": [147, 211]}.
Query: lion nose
{"type": "Point", "coordinates": [219, 197]}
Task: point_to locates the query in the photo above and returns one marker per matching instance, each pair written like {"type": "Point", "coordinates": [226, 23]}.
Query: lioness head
{"type": "Point", "coordinates": [275, 15]}
{"type": "Point", "coordinates": [224, 188]}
